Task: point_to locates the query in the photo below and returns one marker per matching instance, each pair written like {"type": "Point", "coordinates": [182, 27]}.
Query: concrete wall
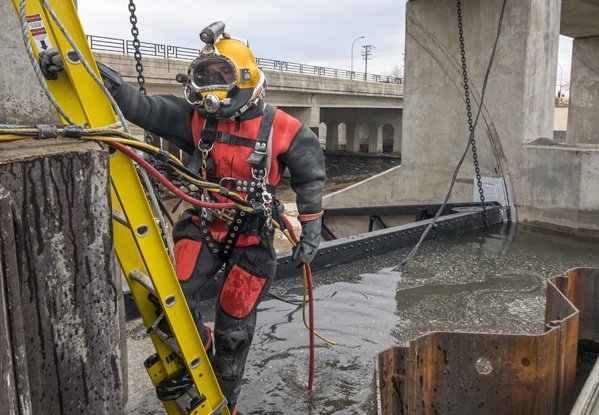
{"type": "Point", "coordinates": [583, 114]}
{"type": "Point", "coordinates": [21, 96]}
{"type": "Point", "coordinates": [548, 184]}
{"type": "Point", "coordinates": [435, 124]}
{"type": "Point", "coordinates": [558, 188]}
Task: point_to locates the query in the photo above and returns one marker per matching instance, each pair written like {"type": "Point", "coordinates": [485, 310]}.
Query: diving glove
{"type": "Point", "coordinates": [306, 248]}
{"type": "Point", "coordinates": [51, 63]}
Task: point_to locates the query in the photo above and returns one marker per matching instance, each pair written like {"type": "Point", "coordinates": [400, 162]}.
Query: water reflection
{"type": "Point", "coordinates": [474, 282]}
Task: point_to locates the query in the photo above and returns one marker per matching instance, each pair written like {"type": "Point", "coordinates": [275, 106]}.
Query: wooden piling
{"type": "Point", "coordinates": [62, 339]}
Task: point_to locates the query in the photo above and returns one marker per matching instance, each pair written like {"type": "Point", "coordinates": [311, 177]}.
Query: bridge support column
{"type": "Point", "coordinates": [583, 123]}
{"type": "Point", "coordinates": [397, 136]}
{"type": "Point", "coordinates": [332, 141]}
{"type": "Point", "coordinates": [518, 107]}
{"type": "Point", "coordinates": [352, 137]}
{"type": "Point", "coordinates": [375, 138]}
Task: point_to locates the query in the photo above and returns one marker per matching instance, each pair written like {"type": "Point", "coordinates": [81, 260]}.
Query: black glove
{"type": "Point", "coordinates": [50, 62]}
{"type": "Point", "coordinates": [306, 248]}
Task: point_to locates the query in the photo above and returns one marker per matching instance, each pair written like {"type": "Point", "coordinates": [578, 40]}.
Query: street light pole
{"type": "Point", "coordinates": [561, 93]}
{"type": "Point", "coordinates": [352, 57]}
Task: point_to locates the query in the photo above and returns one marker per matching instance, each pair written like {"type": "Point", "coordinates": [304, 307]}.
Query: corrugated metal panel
{"type": "Point", "coordinates": [485, 373]}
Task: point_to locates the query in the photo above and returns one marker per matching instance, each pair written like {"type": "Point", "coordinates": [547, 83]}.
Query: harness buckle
{"type": "Point", "coordinates": [226, 215]}
{"type": "Point", "coordinates": [206, 212]}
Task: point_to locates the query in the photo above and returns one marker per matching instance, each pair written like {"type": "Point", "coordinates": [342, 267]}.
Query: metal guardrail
{"type": "Point", "coordinates": [125, 47]}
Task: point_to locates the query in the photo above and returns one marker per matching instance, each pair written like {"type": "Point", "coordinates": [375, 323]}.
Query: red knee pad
{"type": "Point", "coordinates": [240, 292]}
{"type": "Point", "coordinates": [186, 255]}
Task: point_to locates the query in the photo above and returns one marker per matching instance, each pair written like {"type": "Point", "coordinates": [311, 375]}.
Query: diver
{"type": "Point", "coordinates": [238, 142]}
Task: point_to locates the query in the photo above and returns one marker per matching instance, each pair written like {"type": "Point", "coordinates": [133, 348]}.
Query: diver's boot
{"type": "Point", "coordinates": [174, 386]}
{"type": "Point", "coordinates": [178, 383]}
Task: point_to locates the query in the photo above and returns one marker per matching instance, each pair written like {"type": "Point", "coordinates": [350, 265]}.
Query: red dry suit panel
{"type": "Point", "coordinates": [186, 254]}
{"type": "Point", "coordinates": [240, 292]}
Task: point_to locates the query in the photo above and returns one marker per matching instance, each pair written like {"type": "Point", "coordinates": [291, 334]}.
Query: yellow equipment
{"type": "Point", "coordinates": [137, 240]}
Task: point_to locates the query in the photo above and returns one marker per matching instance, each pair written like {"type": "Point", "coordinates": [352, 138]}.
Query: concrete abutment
{"type": "Point", "coordinates": [550, 185]}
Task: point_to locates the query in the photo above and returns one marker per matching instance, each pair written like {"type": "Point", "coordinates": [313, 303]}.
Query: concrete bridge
{"type": "Point", "coordinates": [346, 112]}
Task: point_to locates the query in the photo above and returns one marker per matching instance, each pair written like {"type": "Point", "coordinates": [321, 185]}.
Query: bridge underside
{"type": "Point", "coordinates": [355, 130]}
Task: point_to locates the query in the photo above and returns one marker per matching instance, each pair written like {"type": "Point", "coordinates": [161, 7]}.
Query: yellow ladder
{"type": "Point", "coordinates": [137, 240]}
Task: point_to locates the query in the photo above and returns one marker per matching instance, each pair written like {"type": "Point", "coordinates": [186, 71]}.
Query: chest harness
{"type": "Point", "coordinates": [259, 192]}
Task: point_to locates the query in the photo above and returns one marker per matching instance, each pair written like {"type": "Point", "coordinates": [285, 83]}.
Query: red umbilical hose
{"type": "Point", "coordinates": [308, 273]}
{"type": "Point", "coordinates": [148, 167]}
{"type": "Point", "coordinates": [308, 276]}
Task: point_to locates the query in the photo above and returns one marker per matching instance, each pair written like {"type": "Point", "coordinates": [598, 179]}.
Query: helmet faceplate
{"type": "Point", "coordinates": [224, 80]}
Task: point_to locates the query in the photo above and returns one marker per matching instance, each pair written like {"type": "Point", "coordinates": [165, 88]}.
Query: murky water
{"type": "Point", "coordinates": [483, 283]}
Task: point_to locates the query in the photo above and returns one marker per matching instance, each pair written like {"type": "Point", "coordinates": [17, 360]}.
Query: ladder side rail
{"type": "Point", "coordinates": [85, 103]}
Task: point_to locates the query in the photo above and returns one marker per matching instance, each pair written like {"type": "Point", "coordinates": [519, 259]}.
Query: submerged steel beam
{"type": "Point", "coordinates": [353, 248]}
{"type": "Point", "coordinates": [487, 373]}
{"type": "Point", "coordinates": [357, 247]}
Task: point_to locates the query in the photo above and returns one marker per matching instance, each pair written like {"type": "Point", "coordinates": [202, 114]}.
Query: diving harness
{"type": "Point", "coordinates": [259, 193]}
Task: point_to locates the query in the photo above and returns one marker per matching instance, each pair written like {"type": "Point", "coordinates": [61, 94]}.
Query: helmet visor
{"type": "Point", "coordinates": [211, 73]}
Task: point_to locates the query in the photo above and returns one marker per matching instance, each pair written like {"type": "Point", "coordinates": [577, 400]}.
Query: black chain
{"type": "Point", "coordinates": [469, 111]}
{"type": "Point", "coordinates": [158, 191]}
{"type": "Point", "coordinates": [138, 65]}
{"type": "Point", "coordinates": [136, 45]}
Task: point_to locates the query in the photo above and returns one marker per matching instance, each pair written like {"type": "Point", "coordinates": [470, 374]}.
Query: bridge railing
{"type": "Point", "coordinates": [324, 71]}
{"type": "Point", "coordinates": [125, 47]}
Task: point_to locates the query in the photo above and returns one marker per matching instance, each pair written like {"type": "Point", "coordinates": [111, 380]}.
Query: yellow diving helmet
{"type": "Point", "coordinates": [224, 81]}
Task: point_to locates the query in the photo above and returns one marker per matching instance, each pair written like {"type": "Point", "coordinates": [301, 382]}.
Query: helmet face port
{"type": "Point", "coordinates": [225, 80]}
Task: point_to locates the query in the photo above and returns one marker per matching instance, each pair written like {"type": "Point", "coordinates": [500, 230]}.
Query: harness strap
{"type": "Point", "coordinates": [246, 186]}
{"type": "Point", "coordinates": [243, 223]}
{"type": "Point", "coordinates": [258, 157]}
{"type": "Point", "coordinates": [235, 140]}
{"type": "Point", "coordinates": [208, 137]}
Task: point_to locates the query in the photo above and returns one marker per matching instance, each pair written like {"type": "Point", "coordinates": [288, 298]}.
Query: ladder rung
{"type": "Point", "coordinates": [189, 405]}
{"type": "Point", "coordinates": [144, 280]}
{"type": "Point", "coordinates": [120, 217]}
{"type": "Point", "coordinates": [168, 340]}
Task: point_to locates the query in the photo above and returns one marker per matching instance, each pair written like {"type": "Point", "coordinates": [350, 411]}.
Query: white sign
{"type": "Point", "coordinates": [38, 31]}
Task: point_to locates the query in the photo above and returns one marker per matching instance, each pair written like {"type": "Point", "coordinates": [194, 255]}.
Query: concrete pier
{"type": "Point", "coordinates": [550, 183]}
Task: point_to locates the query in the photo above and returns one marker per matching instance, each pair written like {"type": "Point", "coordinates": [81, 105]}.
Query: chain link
{"type": "Point", "coordinates": [141, 80]}
{"type": "Point", "coordinates": [469, 113]}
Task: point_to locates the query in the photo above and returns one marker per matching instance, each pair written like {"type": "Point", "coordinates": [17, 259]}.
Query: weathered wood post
{"type": "Point", "coordinates": [62, 343]}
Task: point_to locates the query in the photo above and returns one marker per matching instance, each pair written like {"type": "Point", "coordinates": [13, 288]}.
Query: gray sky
{"type": "Point", "coordinates": [314, 32]}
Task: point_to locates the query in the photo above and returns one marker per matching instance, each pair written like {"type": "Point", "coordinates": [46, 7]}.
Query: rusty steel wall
{"type": "Point", "coordinates": [485, 373]}
{"type": "Point", "coordinates": [61, 336]}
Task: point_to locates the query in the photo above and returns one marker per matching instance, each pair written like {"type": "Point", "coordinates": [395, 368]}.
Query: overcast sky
{"type": "Point", "coordinates": [314, 32]}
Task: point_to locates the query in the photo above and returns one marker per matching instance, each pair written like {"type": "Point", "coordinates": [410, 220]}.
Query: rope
{"type": "Point", "coordinates": [88, 68]}
{"type": "Point", "coordinates": [98, 134]}
{"type": "Point", "coordinates": [36, 68]}
{"type": "Point", "coordinates": [287, 230]}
